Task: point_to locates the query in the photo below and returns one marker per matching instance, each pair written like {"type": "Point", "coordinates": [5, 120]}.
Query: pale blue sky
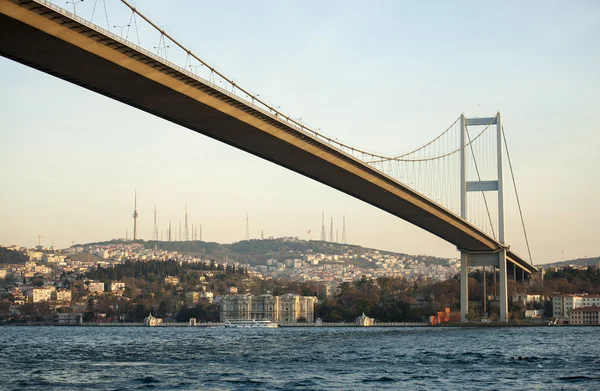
{"type": "Point", "coordinates": [385, 75]}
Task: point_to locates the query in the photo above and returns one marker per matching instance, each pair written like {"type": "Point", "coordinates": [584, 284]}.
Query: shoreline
{"type": "Point", "coordinates": [299, 325]}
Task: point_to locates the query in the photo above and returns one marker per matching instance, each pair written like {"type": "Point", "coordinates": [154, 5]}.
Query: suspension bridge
{"type": "Point", "coordinates": [452, 187]}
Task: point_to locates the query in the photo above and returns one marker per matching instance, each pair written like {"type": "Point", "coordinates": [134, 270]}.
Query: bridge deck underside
{"type": "Point", "coordinates": [42, 51]}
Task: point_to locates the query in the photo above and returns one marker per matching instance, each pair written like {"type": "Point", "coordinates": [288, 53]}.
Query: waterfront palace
{"type": "Point", "coordinates": [286, 308]}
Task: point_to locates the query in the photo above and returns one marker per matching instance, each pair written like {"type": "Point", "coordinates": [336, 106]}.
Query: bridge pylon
{"type": "Point", "coordinates": [496, 259]}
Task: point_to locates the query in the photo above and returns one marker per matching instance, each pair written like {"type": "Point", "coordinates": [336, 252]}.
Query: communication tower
{"type": "Point", "coordinates": [135, 216]}
{"type": "Point", "coordinates": [344, 238]}
{"type": "Point", "coordinates": [155, 229]}
{"type": "Point", "coordinates": [247, 228]}
{"type": "Point", "coordinates": [186, 235]}
{"type": "Point", "coordinates": [331, 231]}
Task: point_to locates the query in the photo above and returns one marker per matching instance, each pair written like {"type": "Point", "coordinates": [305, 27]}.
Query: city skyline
{"type": "Point", "coordinates": [72, 166]}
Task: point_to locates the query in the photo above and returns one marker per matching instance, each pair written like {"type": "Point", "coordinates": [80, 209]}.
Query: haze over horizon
{"type": "Point", "coordinates": [372, 76]}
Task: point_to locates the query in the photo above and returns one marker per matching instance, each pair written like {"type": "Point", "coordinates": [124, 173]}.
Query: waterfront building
{"type": "Point", "coordinates": [364, 320]}
{"type": "Point", "coordinates": [585, 316]}
{"type": "Point", "coordinates": [534, 313]}
{"type": "Point", "coordinates": [286, 308]}
{"type": "Point", "coordinates": [152, 321]}
{"type": "Point", "coordinates": [590, 301]}
{"type": "Point", "coordinates": [525, 298]}
{"type": "Point", "coordinates": [72, 318]}
{"type": "Point", "coordinates": [563, 304]}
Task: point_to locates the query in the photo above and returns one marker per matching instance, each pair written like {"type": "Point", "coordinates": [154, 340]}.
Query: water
{"type": "Point", "coordinates": [132, 358]}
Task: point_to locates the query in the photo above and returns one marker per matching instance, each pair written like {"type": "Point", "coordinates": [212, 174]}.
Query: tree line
{"type": "Point", "coordinates": [8, 256]}
{"type": "Point", "coordinates": [158, 269]}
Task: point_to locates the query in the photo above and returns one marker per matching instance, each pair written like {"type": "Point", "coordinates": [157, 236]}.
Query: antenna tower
{"type": "Point", "coordinates": [155, 229]}
{"type": "Point", "coordinates": [200, 237]}
{"type": "Point", "coordinates": [135, 216]}
{"type": "Point", "coordinates": [323, 238]}
{"type": "Point", "coordinates": [344, 238]}
{"type": "Point", "coordinates": [331, 231]}
{"type": "Point", "coordinates": [186, 235]}
{"type": "Point", "coordinates": [247, 228]}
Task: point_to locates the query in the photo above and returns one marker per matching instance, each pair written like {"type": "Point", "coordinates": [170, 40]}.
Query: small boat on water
{"type": "Point", "coordinates": [247, 323]}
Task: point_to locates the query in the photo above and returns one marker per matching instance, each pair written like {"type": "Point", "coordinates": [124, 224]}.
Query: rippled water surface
{"type": "Point", "coordinates": [130, 358]}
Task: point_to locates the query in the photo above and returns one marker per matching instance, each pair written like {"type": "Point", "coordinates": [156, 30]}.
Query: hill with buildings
{"type": "Point", "coordinates": [259, 251]}
{"type": "Point", "coordinates": [579, 262]}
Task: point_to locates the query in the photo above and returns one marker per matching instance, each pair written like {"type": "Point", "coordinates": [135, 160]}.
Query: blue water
{"type": "Point", "coordinates": [132, 358]}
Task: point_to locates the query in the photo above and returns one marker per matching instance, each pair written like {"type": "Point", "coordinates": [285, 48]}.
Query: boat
{"type": "Point", "coordinates": [247, 323]}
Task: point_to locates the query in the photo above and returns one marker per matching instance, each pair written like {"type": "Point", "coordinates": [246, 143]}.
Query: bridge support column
{"type": "Point", "coordinates": [485, 314]}
{"type": "Point", "coordinates": [503, 285]}
{"type": "Point", "coordinates": [464, 286]}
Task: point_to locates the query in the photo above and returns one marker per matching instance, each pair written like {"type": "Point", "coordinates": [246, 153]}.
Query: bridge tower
{"type": "Point", "coordinates": [497, 258]}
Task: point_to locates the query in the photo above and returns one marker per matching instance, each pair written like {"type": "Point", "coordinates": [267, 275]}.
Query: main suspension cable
{"type": "Point", "coordinates": [512, 174]}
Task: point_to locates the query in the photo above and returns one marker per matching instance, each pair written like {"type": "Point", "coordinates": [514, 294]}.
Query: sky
{"type": "Point", "coordinates": [387, 76]}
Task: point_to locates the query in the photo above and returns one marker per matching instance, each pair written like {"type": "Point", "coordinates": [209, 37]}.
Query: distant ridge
{"type": "Point", "coordinates": [590, 261]}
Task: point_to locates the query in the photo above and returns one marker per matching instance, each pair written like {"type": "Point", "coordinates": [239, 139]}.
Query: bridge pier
{"type": "Point", "coordinates": [494, 259]}
{"type": "Point", "coordinates": [464, 286]}
{"type": "Point", "coordinates": [503, 277]}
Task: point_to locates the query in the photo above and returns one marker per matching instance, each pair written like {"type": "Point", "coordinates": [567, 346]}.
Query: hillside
{"type": "Point", "coordinates": [258, 251]}
{"type": "Point", "coordinates": [593, 261]}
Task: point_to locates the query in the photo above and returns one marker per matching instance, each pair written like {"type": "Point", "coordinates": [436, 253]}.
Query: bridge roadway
{"type": "Point", "coordinates": [42, 36]}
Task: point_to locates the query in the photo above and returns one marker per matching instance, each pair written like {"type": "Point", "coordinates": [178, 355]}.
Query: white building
{"type": "Point", "coordinates": [74, 318]}
{"type": "Point", "coordinates": [43, 293]}
{"type": "Point", "coordinates": [95, 287]}
{"type": "Point", "coordinates": [590, 301]}
{"type": "Point", "coordinates": [286, 308]}
{"type": "Point", "coordinates": [563, 304]}
{"type": "Point", "coordinates": [62, 295]}
{"type": "Point", "coordinates": [116, 287]}
{"type": "Point", "coordinates": [526, 298]}
{"type": "Point", "coordinates": [171, 280]}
